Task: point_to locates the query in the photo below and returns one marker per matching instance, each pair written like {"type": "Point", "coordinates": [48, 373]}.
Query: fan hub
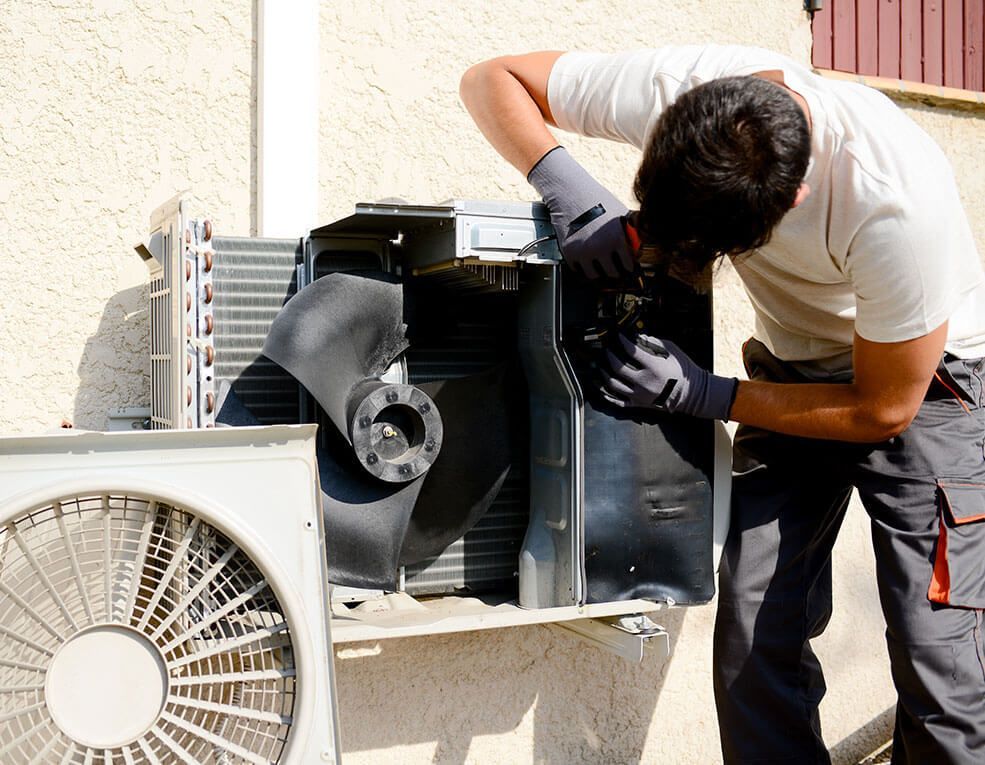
{"type": "Point", "coordinates": [106, 686]}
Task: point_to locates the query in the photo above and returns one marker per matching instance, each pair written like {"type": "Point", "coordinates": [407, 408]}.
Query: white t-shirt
{"type": "Point", "coordinates": [881, 246]}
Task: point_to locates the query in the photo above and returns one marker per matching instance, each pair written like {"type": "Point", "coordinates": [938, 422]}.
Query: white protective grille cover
{"type": "Point", "coordinates": [162, 599]}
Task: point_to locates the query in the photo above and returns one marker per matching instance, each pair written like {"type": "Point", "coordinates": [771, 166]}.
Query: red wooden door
{"type": "Point", "coordinates": [940, 42]}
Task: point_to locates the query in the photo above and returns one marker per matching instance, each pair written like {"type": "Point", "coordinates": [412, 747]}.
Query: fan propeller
{"type": "Point", "coordinates": [336, 336]}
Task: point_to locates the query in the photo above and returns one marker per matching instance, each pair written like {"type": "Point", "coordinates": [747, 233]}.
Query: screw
{"type": "Point", "coordinates": [424, 408]}
{"type": "Point", "coordinates": [371, 458]}
{"type": "Point", "coordinates": [365, 421]}
{"type": "Point", "coordinates": [403, 469]}
{"type": "Point", "coordinates": [388, 432]}
{"type": "Point", "coordinates": [429, 445]}
{"type": "Point", "coordinates": [391, 396]}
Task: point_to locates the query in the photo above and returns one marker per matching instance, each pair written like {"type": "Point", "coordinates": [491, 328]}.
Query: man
{"type": "Point", "coordinates": [843, 220]}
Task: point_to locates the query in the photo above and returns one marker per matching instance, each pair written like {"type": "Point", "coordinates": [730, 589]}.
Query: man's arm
{"type": "Point", "coordinates": [507, 98]}
{"type": "Point", "coordinates": [891, 380]}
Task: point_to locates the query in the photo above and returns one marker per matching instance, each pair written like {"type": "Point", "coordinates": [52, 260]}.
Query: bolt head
{"type": "Point", "coordinates": [391, 396]}
{"type": "Point", "coordinates": [372, 458]}
{"type": "Point", "coordinates": [429, 445]}
{"type": "Point", "coordinates": [424, 408]}
{"type": "Point", "coordinates": [365, 421]}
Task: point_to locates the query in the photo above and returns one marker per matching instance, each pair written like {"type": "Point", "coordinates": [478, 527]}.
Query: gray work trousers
{"type": "Point", "coordinates": [924, 492]}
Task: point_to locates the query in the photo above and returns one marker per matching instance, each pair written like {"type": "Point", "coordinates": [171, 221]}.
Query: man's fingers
{"type": "Point", "coordinates": [638, 353]}
{"type": "Point", "coordinates": [602, 268]}
{"type": "Point", "coordinates": [613, 400]}
{"type": "Point", "coordinates": [653, 345]}
{"type": "Point", "coordinates": [621, 368]}
{"type": "Point", "coordinates": [626, 260]}
{"type": "Point", "coordinates": [615, 386]}
{"type": "Point", "coordinates": [609, 266]}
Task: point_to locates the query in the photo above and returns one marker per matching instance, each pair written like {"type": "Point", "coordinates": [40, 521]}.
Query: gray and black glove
{"type": "Point", "coordinates": [587, 219]}
{"type": "Point", "coordinates": [657, 374]}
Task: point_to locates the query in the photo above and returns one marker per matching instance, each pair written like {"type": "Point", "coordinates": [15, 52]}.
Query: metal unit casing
{"type": "Point", "coordinates": [532, 542]}
{"type": "Point", "coordinates": [469, 253]}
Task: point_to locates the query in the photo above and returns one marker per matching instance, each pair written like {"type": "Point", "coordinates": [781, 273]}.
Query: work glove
{"type": "Point", "coordinates": [587, 219]}
{"type": "Point", "coordinates": [656, 374]}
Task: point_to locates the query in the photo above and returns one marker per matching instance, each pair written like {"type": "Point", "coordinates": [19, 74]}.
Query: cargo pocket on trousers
{"type": "Point", "coordinates": [959, 560]}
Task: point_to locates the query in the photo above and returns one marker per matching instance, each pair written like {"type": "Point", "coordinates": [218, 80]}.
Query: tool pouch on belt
{"type": "Point", "coordinates": [959, 562]}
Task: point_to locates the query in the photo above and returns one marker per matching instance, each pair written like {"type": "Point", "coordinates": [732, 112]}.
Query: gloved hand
{"type": "Point", "coordinates": [586, 217]}
{"type": "Point", "coordinates": [657, 374]}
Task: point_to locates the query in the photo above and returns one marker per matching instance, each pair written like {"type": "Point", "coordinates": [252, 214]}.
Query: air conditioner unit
{"type": "Point", "coordinates": [163, 599]}
{"type": "Point", "coordinates": [599, 514]}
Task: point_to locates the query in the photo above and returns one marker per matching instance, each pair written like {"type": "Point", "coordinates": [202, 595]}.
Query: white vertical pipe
{"type": "Point", "coordinates": [287, 117]}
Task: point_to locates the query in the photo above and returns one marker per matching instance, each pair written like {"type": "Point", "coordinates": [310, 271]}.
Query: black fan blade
{"type": "Point", "coordinates": [482, 415]}
{"type": "Point", "coordinates": [336, 336]}
{"type": "Point", "coordinates": [365, 519]}
{"type": "Point", "coordinates": [365, 522]}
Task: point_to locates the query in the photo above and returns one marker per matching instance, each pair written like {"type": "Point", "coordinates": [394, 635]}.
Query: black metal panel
{"type": "Point", "coordinates": [648, 477]}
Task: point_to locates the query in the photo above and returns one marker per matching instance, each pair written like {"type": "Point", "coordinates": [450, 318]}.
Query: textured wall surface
{"type": "Point", "coordinates": [108, 108]}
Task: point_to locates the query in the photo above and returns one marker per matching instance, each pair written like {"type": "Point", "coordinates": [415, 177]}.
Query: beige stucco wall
{"type": "Point", "coordinates": [107, 108]}
{"type": "Point", "coordinates": [110, 107]}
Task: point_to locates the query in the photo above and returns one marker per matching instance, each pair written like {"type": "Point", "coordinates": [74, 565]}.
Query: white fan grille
{"type": "Point", "coordinates": [164, 572]}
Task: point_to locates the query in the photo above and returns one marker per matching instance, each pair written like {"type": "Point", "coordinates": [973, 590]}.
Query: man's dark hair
{"type": "Point", "coordinates": [722, 167]}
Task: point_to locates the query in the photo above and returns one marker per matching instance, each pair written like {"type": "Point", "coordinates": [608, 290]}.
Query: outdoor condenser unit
{"type": "Point", "coordinates": [520, 487]}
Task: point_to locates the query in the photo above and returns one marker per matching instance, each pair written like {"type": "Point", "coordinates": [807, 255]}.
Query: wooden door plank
{"type": "Point", "coordinates": [844, 35]}
{"type": "Point", "coordinates": [953, 43]}
{"type": "Point", "coordinates": [821, 28]}
{"type": "Point", "coordinates": [889, 38]}
{"type": "Point", "coordinates": [933, 41]}
{"type": "Point", "coordinates": [911, 40]}
{"type": "Point", "coordinates": [867, 36]}
{"type": "Point", "coordinates": [974, 44]}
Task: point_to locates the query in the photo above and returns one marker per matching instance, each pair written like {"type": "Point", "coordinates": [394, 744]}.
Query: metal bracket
{"type": "Point", "coordinates": [631, 636]}
{"type": "Point", "coordinates": [128, 418]}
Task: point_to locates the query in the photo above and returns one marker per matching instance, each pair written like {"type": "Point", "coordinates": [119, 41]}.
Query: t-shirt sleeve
{"type": "Point", "coordinates": [619, 96]}
{"type": "Point", "coordinates": [906, 283]}
{"type": "Point", "coordinates": [616, 96]}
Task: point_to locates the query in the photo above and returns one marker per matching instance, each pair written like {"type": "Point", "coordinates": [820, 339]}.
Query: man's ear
{"type": "Point", "coordinates": [802, 193]}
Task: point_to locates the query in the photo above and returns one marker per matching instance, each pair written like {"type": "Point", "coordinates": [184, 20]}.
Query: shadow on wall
{"type": "Point", "coordinates": [867, 739]}
{"type": "Point", "coordinates": [587, 705]}
{"type": "Point", "coordinates": [113, 370]}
